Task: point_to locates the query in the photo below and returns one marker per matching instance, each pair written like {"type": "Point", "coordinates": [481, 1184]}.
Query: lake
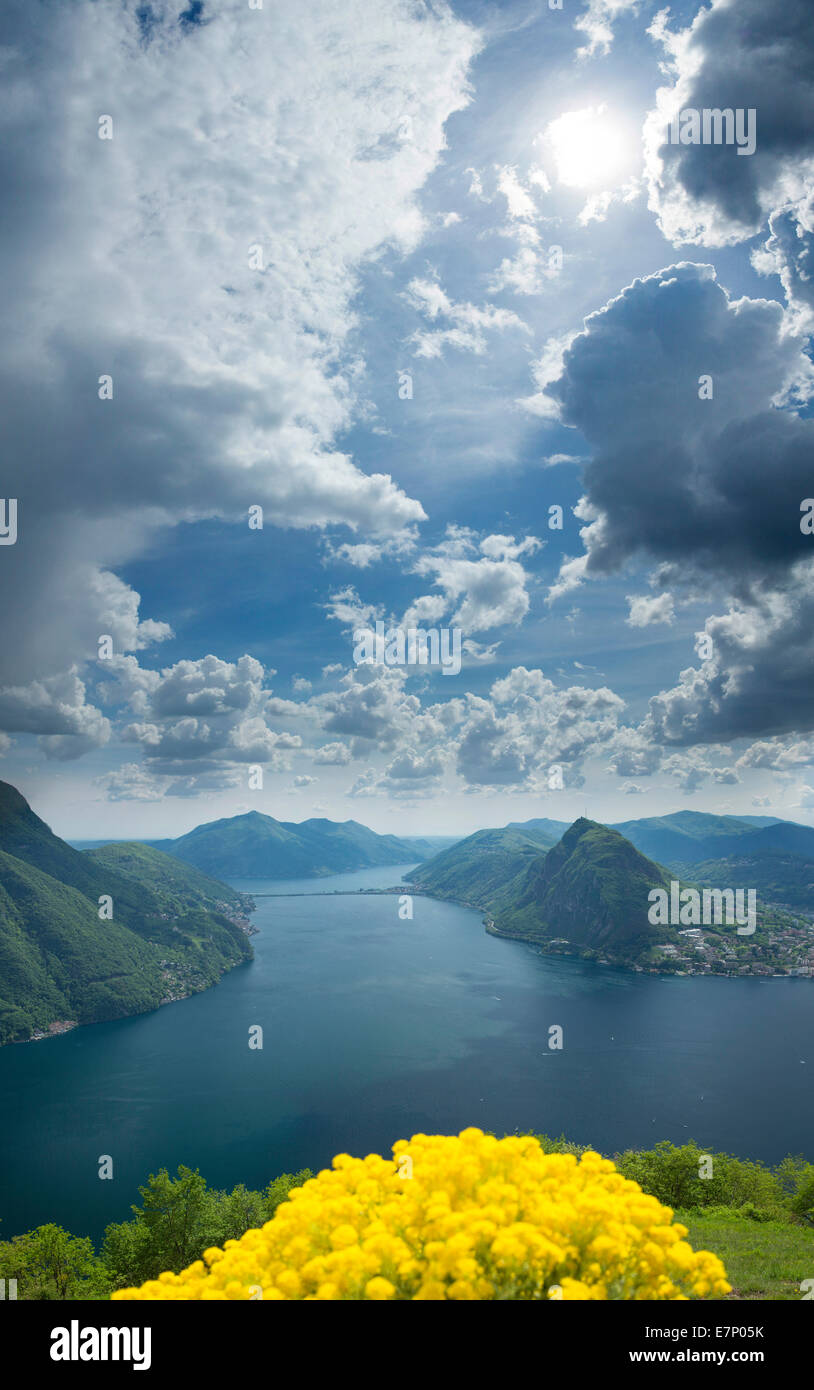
{"type": "Point", "coordinates": [375, 1029]}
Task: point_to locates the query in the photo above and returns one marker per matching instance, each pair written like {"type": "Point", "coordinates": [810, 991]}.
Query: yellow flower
{"type": "Point", "coordinates": [480, 1218]}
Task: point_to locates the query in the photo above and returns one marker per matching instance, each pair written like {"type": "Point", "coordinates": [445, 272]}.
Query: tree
{"type": "Point", "coordinates": [279, 1188]}
{"type": "Point", "coordinates": [50, 1263]}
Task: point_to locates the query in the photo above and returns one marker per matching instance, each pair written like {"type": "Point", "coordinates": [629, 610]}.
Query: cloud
{"type": "Point", "coordinates": [596, 23]}
{"type": "Point", "coordinates": [733, 56]}
{"type": "Point", "coordinates": [412, 775]}
{"type": "Point", "coordinates": [333, 754]}
{"type": "Point", "coordinates": [372, 707]}
{"type": "Point", "coordinates": [469, 325]}
{"type": "Point", "coordinates": [231, 369]}
{"type": "Point", "coordinates": [519, 202]}
{"type": "Point", "coordinates": [789, 253]}
{"type": "Point", "coordinates": [527, 725]}
{"type": "Point", "coordinates": [56, 709]}
{"type": "Point", "coordinates": [698, 484]}
{"type": "Point", "coordinates": [200, 720]}
{"type": "Point", "coordinates": [485, 593]}
{"type": "Point", "coordinates": [778, 754]}
{"type": "Point", "coordinates": [646, 610]}
{"type": "Point", "coordinates": [346, 607]}
{"type": "Point", "coordinates": [757, 682]}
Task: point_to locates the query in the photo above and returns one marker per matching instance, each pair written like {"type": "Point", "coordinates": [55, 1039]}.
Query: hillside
{"type": "Point", "coordinates": [258, 846]}
{"type": "Point", "coordinates": [59, 962]}
{"type": "Point", "coordinates": [172, 932]}
{"type": "Point", "coordinates": [484, 868]}
{"type": "Point", "coordinates": [590, 890]}
{"type": "Point", "coordinates": [778, 876]}
{"type": "Point", "coordinates": [167, 880]}
{"type": "Point", "coordinates": [689, 837]}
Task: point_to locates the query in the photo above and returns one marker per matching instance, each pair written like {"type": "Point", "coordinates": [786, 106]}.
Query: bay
{"type": "Point", "coordinates": [375, 1028]}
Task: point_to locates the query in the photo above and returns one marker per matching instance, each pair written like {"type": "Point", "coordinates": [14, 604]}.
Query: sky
{"type": "Point", "coordinates": [428, 291]}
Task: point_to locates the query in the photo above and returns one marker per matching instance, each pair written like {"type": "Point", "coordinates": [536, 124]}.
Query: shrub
{"type": "Point", "coordinates": [672, 1174]}
{"type": "Point", "coordinates": [466, 1217]}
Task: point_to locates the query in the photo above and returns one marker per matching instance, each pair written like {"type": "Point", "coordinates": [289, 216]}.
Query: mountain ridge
{"type": "Point", "coordinates": [256, 845]}
{"type": "Point", "coordinates": [172, 931]}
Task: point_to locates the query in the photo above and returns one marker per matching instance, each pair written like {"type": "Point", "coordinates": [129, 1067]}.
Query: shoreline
{"type": "Point", "coordinates": [492, 930]}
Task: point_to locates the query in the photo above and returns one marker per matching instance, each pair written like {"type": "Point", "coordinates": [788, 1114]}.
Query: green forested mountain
{"type": "Point", "coordinates": [591, 890]}
{"type": "Point", "coordinates": [779, 877]}
{"type": "Point", "coordinates": [172, 931]}
{"type": "Point", "coordinates": [692, 836]}
{"type": "Point", "coordinates": [484, 868]}
{"type": "Point", "coordinates": [157, 873]}
{"type": "Point", "coordinates": [258, 846]}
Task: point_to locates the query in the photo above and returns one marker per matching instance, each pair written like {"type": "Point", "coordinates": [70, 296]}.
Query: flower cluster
{"type": "Point", "coordinates": [466, 1217]}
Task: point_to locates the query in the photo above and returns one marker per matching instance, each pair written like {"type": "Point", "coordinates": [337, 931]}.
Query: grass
{"type": "Point", "coordinates": [763, 1259]}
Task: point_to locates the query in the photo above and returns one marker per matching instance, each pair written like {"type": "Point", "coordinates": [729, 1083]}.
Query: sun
{"type": "Point", "coordinates": [588, 146]}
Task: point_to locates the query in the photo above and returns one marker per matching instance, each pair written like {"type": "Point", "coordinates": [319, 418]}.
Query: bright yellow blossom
{"type": "Point", "coordinates": [480, 1218]}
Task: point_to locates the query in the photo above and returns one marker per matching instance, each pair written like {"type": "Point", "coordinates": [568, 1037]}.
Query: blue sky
{"type": "Point", "coordinates": [480, 196]}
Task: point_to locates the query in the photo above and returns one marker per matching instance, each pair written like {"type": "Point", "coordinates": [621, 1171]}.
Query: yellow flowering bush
{"type": "Point", "coordinates": [466, 1217]}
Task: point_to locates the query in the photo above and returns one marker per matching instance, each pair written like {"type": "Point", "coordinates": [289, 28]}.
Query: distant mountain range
{"type": "Point", "coordinates": [255, 845]}
{"type": "Point", "coordinates": [258, 846]}
{"type": "Point", "coordinates": [173, 930]}
{"type": "Point", "coordinates": [689, 837]}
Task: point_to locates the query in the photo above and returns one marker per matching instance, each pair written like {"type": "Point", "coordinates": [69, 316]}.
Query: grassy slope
{"type": "Point", "coordinates": [763, 1259]}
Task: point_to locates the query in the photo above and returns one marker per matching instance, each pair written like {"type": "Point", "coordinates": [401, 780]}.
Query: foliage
{"type": "Point", "coordinates": [180, 1217]}
{"type": "Point", "coordinates": [470, 1217]}
{"type": "Point", "coordinates": [673, 1175]}
{"type": "Point", "coordinates": [49, 1263]}
{"type": "Point", "coordinates": [758, 1220]}
{"type": "Point", "coordinates": [258, 846]}
{"type": "Point", "coordinates": [484, 869]}
{"type": "Point", "coordinates": [168, 937]}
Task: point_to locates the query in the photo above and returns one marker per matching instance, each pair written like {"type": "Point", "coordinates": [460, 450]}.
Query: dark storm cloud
{"type": "Point", "coordinates": [698, 484]}
{"type": "Point", "coordinates": [756, 54]}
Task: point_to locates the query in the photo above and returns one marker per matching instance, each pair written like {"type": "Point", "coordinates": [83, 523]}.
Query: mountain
{"type": "Point", "coordinates": [258, 846]}
{"type": "Point", "coordinates": [483, 868]}
{"type": "Point", "coordinates": [555, 829]}
{"type": "Point", "coordinates": [692, 836]}
{"type": "Point", "coordinates": [590, 890]}
{"type": "Point", "coordinates": [779, 877]}
{"type": "Point", "coordinates": [172, 931]}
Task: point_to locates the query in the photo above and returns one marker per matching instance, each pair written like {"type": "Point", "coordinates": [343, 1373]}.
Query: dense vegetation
{"type": "Point", "coordinates": [759, 1220]}
{"type": "Point", "coordinates": [485, 868]}
{"type": "Point", "coordinates": [591, 889]}
{"type": "Point", "coordinates": [173, 930]}
{"type": "Point", "coordinates": [777, 875]}
{"type": "Point", "coordinates": [177, 1220]}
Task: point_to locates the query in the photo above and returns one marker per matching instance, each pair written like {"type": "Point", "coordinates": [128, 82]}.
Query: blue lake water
{"type": "Point", "coordinates": [377, 1028]}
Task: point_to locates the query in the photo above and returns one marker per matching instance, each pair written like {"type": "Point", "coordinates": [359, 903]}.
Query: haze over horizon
{"type": "Point", "coordinates": [480, 299]}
